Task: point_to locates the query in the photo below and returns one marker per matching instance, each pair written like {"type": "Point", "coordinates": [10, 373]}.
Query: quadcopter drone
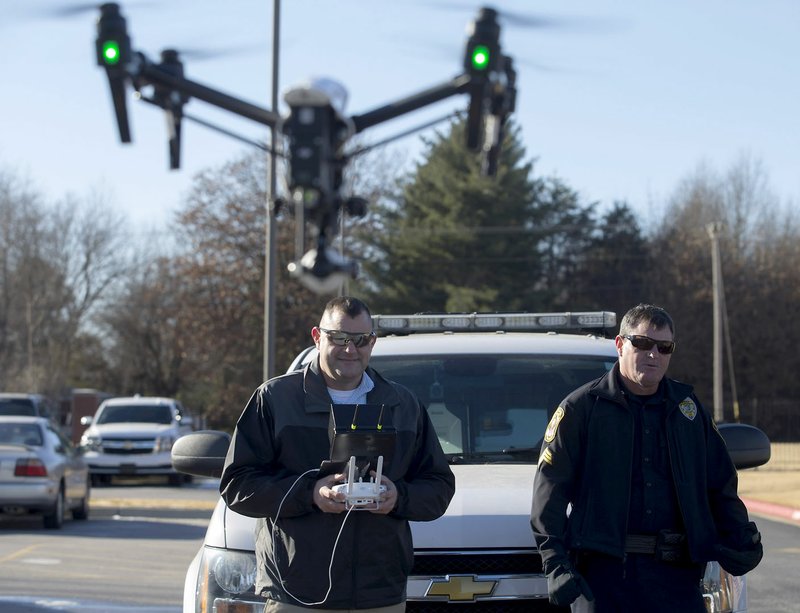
{"type": "Point", "coordinates": [316, 128]}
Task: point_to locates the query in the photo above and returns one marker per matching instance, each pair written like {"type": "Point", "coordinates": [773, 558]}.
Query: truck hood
{"type": "Point", "coordinates": [490, 510]}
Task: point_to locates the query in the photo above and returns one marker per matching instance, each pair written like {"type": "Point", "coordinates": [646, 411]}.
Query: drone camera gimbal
{"type": "Point", "coordinates": [316, 127]}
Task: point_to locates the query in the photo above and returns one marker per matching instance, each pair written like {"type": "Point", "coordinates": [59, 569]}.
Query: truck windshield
{"type": "Point", "coordinates": [17, 406]}
{"type": "Point", "coordinates": [135, 413]}
{"type": "Point", "coordinates": [491, 408]}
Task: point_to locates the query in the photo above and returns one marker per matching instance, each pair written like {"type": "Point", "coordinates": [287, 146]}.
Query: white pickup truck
{"type": "Point", "coordinates": [133, 437]}
{"type": "Point", "coordinates": [490, 383]}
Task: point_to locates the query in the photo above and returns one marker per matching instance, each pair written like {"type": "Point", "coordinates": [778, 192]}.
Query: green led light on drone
{"type": "Point", "coordinates": [480, 57]}
{"type": "Point", "coordinates": [111, 52]}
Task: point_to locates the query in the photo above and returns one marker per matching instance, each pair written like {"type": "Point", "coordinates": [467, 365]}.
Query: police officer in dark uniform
{"type": "Point", "coordinates": [635, 489]}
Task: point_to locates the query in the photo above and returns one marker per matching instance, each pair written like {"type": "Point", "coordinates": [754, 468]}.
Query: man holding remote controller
{"type": "Point", "coordinates": [312, 552]}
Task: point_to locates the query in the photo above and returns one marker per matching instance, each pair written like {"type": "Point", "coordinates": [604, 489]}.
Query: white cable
{"type": "Point", "coordinates": [333, 551]}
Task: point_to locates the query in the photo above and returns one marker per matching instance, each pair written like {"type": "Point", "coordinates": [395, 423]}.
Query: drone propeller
{"type": "Point", "coordinates": [71, 10]}
{"type": "Point", "coordinates": [200, 54]}
{"type": "Point", "coordinates": [66, 10]}
{"type": "Point", "coordinates": [525, 20]}
{"type": "Point", "coordinates": [505, 17]}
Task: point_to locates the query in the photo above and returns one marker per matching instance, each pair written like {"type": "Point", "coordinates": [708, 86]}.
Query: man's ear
{"type": "Point", "coordinates": [315, 334]}
{"type": "Point", "coordinates": [619, 341]}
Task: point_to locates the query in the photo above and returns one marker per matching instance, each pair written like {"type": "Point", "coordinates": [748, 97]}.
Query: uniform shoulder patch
{"type": "Point", "coordinates": [688, 408]}
{"type": "Point", "coordinates": [552, 427]}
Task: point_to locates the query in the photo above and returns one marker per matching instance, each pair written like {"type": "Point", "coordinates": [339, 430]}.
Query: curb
{"type": "Point", "coordinates": [772, 509]}
{"type": "Point", "coordinates": [140, 503]}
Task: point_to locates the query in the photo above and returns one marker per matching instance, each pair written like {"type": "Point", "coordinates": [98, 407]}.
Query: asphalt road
{"type": "Point", "coordinates": [773, 587]}
{"type": "Point", "coordinates": [131, 555]}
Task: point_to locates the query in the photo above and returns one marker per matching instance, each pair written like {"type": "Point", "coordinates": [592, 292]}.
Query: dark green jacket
{"type": "Point", "coordinates": [282, 433]}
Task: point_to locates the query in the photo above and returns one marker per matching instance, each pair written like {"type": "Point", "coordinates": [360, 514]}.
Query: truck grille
{"type": "Point", "coordinates": [495, 606]}
{"type": "Point", "coordinates": [475, 563]}
{"type": "Point", "coordinates": [481, 564]}
{"type": "Point", "coordinates": [128, 446]}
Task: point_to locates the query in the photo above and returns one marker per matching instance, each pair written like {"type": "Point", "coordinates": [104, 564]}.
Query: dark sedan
{"type": "Point", "coordinates": [41, 472]}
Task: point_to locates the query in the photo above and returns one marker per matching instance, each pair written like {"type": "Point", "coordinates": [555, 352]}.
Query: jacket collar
{"type": "Point", "coordinates": [317, 399]}
{"type": "Point", "coordinates": [610, 388]}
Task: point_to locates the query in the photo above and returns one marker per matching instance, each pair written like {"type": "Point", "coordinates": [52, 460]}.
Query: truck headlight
{"type": "Point", "coordinates": [164, 442]}
{"type": "Point", "coordinates": [723, 592]}
{"type": "Point", "coordinates": [91, 443]}
{"type": "Point", "coordinates": [235, 572]}
{"type": "Point", "coordinates": [226, 582]}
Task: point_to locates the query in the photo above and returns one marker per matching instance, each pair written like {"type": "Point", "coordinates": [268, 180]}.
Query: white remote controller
{"type": "Point", "coordinates": [361, 494]}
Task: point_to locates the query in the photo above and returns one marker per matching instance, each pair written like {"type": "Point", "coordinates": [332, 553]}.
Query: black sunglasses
{"type": "Point", "coordinates": [340, 338]}
{"type": "Point", "coordinates": [646, 343]}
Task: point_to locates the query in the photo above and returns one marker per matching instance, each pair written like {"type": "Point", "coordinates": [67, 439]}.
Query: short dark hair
{"type": "Point", "coordinates": [352, 307]}
{"type": "Point", "coordinates": [646, 313]}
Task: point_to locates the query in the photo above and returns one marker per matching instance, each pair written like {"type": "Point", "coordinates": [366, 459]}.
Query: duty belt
{"type": "Point", "coordinates": [641, 543]}
{"type": "Point", "coordinates": [665, 546]}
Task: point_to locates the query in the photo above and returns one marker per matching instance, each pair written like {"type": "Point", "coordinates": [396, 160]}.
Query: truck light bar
{"type": "Point", "coordinates": [488, 322]}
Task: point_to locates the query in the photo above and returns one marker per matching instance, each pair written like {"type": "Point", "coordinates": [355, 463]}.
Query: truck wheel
{"type": "Point", "coordinates": [176, 480]}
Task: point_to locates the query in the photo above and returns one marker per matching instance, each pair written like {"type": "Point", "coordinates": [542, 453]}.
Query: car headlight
{"type": "Point", "coordinates": [235, 572]}
{"type": "Point", "coordinates": [226, 583]}
{"type": "Point", "coordinates": [91, 443]}
{"type": "Point", "coordinates": [164, 443]}
{"type": "Point", "coordinates": [722, 592]}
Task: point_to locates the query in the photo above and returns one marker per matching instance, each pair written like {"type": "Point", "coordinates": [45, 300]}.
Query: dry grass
{"type": "Point", "coordinates": [778, 481]}
{"type": "Point", "coordinates": [784, 456]}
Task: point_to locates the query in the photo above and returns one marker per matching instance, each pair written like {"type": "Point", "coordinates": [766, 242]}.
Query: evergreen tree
{"type": "Point", "coordinates": [613, 273]}
{"type": "Point", "coordinates": [454, 240]}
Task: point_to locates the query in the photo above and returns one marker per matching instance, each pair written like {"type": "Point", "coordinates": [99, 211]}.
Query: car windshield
{"type": "Point", "coordinates": [17, 406]}
{"type": "Point", "coordinates": [135, 413]}
{"type": "Point", "coordinates": [491, 408]}
{"type": "Point", "coordinates": [20, 434]}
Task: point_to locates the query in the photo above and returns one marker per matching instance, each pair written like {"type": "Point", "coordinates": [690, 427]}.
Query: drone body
{"type": "Point", "coordinates": [316, 128]}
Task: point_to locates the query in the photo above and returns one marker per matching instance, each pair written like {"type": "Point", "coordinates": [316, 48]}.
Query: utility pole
{"type": "Point", "coordinates": [714, 230]}
{"type": "Point", "coordinates": [271, 251]}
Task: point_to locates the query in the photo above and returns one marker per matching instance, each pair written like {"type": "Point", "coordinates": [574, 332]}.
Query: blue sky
{"type": "Point", "coordinates": [621, 106]}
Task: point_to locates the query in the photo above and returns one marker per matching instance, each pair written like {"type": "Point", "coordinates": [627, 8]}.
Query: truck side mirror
{"type": "Point", "coordinates": [747, 445]}
{"type": "Point", "coordinates": [201, 453]}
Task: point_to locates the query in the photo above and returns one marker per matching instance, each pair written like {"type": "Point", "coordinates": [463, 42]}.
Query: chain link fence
{"type": "Point", "coordinates": [780, 421]}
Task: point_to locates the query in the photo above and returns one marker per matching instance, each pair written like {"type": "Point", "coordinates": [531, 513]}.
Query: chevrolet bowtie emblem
{"type": "Point", "coordinates": [460, 587]}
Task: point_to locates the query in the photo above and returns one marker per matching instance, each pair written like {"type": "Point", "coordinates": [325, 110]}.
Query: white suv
{"type": "Point", "coordinates": [34, 405]}
{"type": "Point", "coordinates": [133, 437]}
{"type": "Point", "coordinates": [490, 383]}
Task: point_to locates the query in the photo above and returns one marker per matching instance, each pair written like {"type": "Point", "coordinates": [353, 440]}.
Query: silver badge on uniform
{"type": "Point", "coordinates": [688, 408]}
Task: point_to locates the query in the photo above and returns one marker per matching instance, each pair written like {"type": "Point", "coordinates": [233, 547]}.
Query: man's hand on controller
{"type": "Point", "coordinates": [326, 498]}
{"type": "Point", "coordinates": [388, 499]}
{"type": "Point", "coordinates": [330, 501]}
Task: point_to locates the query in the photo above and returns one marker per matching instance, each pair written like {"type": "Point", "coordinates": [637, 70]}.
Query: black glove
{"type": "Point", "coordinates": [744, 559]}
{"type": "Point", "coordinates": [565, 585]}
